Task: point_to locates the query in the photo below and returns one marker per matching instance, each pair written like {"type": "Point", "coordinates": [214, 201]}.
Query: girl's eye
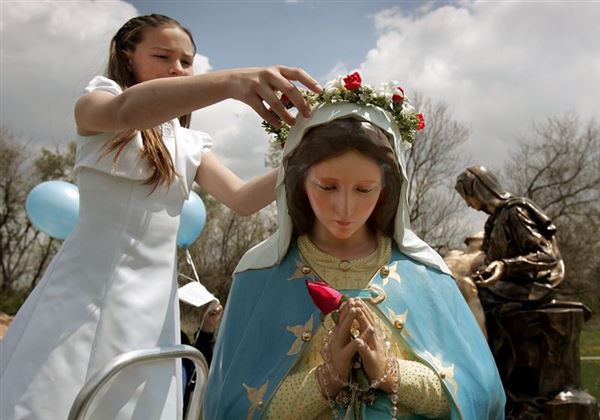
{"type": "Point", "coordinates": [186, 63]}
{"type": "Point", "coordinates": [327, 187]}
{"type": "Point", "coordinates": [163, 57]}
{"type": "Point", "coordinates": [364, 190]}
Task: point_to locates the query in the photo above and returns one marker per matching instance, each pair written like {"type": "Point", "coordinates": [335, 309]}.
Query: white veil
{"type": "Point", "coordinates": [271, 251]}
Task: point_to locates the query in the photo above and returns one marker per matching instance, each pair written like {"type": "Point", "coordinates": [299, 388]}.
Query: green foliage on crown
{"type": "Point", "coordinates": [388, 96]}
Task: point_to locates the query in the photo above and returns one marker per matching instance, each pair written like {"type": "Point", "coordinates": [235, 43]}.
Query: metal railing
{"type": "Point", "coordinates": [90, 389]}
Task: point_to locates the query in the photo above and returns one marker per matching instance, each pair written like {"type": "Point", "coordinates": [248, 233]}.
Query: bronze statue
{"type": "Point", "coordinates": [533, 335]}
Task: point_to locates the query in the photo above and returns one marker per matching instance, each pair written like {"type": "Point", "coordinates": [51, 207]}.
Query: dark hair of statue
{"type": "Point", "coordinates": [125, 40]}
{"type": "Point", "coordinates": [333, 139]}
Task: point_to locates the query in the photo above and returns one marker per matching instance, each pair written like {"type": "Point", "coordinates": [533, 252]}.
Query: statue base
{"type": "Point", "coordinates": [571, 405]}
{"type": "Point", "coordinates": [537, 353]}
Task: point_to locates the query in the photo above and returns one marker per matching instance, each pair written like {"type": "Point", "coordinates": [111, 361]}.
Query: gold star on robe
{"type": "Point", "coordinates": [392, 275]}
{"type": "Point", "coordinates": [298, 331]}
{"type": "Point", "coordinates": [256, 398]}
{"type": "Point", "coordinates": [399, 321]}
{"type": "Point", "coordinates": [446, 373]}
{"type": "Point", "coordinates": [302, 271]}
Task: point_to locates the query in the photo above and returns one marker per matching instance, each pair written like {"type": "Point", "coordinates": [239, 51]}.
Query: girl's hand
{"type": "Point", "coordinates": [254, 86]}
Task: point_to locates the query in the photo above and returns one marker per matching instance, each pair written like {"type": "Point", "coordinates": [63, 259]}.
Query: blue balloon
{"type": "Point", "coordinates": [193, 217]}
{"type": "Point", "coordinates": [53, 208]}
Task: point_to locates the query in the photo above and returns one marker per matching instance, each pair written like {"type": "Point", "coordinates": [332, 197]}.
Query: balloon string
{"type": "Point", "coordinates": [186, 277]}
{"type": "Point", "coordinates": [189, 260]}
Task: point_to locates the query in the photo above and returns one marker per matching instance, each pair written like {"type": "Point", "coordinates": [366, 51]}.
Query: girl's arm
{"type": "Point", "coordinates": [244, 198]}
{"type": "Point", "coordinates": [148, 104]}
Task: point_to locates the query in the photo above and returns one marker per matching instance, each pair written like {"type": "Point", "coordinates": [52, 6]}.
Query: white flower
{"type": "Point", "coordinates": [388, 90]}
{"type": "Point", "coordinates": [407, 108]}
{"type": "Point", "coordinates": [334, 85]}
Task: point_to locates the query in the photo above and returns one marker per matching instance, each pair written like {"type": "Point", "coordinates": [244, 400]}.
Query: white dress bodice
{"type": "Point", "coordinates": [110, 289]}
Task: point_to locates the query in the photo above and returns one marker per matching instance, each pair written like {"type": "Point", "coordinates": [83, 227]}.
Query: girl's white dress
{"type": "Point", "coordinates": [110, 289]}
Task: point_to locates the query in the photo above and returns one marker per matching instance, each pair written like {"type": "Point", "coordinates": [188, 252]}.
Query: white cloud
{"type": "Point", "coordinates": [201, 64]}
{"type": "Point", "coordinates": [339, 69]}
{"type": "Point", "coordinates": [239, 140]}
{"type": "Point", "coordinates": [498, 64]}
{"type": "Point", "coordinates": [49, 51]}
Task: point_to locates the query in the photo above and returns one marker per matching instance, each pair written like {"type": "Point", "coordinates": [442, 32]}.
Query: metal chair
{"type": "Point", "coordinates": [91, 388]}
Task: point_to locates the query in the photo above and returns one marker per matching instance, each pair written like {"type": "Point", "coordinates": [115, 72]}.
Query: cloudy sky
{"type": "Point", "coordinates": [499, 64]}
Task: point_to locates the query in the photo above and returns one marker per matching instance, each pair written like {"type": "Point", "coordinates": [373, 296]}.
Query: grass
{"type": "Point", "coordinates": [590, 369]}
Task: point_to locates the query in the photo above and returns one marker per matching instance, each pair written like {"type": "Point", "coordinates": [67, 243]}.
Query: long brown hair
{"type": "Point", "coordinates": [334, 139]}
{"type": "Point", "coordinates": [125, 41]}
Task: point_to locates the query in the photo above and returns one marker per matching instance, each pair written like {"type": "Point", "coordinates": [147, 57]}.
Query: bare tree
{"type": "Point", "coordinates": [24, 251]}
{"type": "Point", "coordinates": [557, 165]}
{"type": "Point", "coordinates": [225, 238]}
{"type": "Point", "coordinates": [57, 164]}
{"type": "Point", "coordinates": [432, 164]}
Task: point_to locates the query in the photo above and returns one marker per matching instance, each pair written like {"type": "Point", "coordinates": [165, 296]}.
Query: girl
{"type": "Point", "coordinates": [111, 288]}
{"type": "Point", "coordinates": [404, 345]}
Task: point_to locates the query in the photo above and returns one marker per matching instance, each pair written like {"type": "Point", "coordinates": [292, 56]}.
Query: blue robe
{"type": "Point", "coordinates": [270, 318]}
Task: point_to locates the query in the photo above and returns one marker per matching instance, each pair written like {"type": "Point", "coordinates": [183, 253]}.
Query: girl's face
{"type": "Point", "coordinates": [343, 191]}
{"type": "Point", "coordinates": [165, 51]}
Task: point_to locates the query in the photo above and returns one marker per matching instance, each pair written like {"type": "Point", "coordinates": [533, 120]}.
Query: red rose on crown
{"type": "Point", "coordinates": [352, 81]}
{"type": "Point", "coordinates": [398, 97]}
{"type": "Point", "coordinates": [421, 124]}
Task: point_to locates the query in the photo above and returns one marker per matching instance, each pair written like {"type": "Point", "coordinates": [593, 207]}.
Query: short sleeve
{"type": "Point", "coordinates": [130, 163]}
{"type": "Point", "coordinates": [192, 145]}
{"type": "Point", "coordinates": [105, 84]}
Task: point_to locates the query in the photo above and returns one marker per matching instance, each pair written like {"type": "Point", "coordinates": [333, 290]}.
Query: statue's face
{"type": "Point", "coordinates": [470, 189]}
{"type": "Point", "coordinates": [473, 202]}
{"type": "Point", "coordinates": [343, 192]}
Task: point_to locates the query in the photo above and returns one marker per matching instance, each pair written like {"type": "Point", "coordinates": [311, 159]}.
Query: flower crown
{"type": "Point", "coordinates": [388, 96]}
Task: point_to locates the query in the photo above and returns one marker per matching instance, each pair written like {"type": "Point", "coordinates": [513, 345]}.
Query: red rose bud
{"type": "Point", "coordinates": [398, 97]}
{"type": "Point", "coordinates": [421, 124]}
{"type": "Point", "coordinates": [325, 297]}
{"type": "Point", "coordinates": [352, 81]}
